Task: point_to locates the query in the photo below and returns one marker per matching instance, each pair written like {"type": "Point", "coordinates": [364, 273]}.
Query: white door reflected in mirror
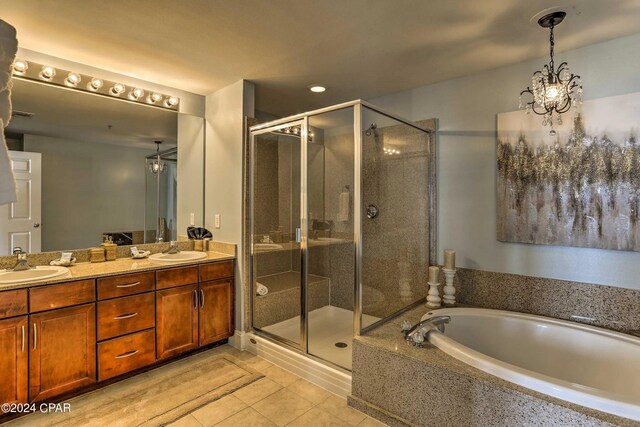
{"type": "Point", "coordinates": [20, 221]}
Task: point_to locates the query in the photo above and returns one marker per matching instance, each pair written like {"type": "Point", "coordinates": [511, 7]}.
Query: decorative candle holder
{"type": "Point", "coordinates": [433, 298]}
{"type": "Point", "coordinates": [449, 297]}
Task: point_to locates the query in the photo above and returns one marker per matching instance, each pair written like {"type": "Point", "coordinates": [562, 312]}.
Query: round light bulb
{"type": "Point", "coordinates": [136, 94]}
{"type": "Point", "coordinates": [154, 97]}
{"type": "Point", "coordinates": [317, 88]}
{"type": "Point", "coordinates": [117, 89]}
{"type": "Point", "coordinates": [552, 93]}
{"type": "Point", "coordinates": [20, 67]}
{"type": "Point", "coordinates": [72, 79]}
{"type": "Point", "coordinates": [95, 84]}
{"type": "Point", "coordinates": [171, 101]}
{"type": "Point", "coordinates": [47, 73]}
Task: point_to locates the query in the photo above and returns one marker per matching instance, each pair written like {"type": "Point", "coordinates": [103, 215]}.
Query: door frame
{"type": "Point", "coordinates": [302, 344]}
{"type": "Point", "coordinates": [34, 172]}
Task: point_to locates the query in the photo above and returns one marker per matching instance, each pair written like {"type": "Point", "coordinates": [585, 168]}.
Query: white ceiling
{"type": "Point", "coordinates": [357, 48]}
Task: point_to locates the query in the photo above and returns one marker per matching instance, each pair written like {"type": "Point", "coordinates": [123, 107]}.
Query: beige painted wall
{"type": "Point", "coordinates": [466, 109]}
{"type": "Point", "coordinates": [190, 171]}
{"type": "Point", "coordinates": [225, 111]}
{"type": "Point", "coordinates": [88, 189]}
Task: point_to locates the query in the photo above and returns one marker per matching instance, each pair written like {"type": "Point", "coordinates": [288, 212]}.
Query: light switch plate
{"type": "Point", "coordinates": [217, 221]}
{"type": "Point", "coordinates": [192, 219]}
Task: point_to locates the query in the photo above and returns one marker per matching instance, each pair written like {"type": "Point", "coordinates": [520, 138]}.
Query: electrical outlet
{"type": "Point", "coordinates": [217, 221]}
{"type": "Point", "coordinates": [192, 219]}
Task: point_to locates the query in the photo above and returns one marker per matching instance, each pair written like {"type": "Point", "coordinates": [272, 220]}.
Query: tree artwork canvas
{"type": "Point", "coordinates": [580, 187]}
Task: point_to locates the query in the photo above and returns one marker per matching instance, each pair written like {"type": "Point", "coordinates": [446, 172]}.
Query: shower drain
{"type": "Point", "coordinates": [341, 344]}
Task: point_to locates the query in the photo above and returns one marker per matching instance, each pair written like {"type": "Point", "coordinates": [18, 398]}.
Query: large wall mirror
{"type": "Point", "coordinates": [88, 165]}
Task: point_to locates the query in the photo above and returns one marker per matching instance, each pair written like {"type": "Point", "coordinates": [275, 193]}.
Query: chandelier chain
{"type": "Point", "coordinates": [552, 44]}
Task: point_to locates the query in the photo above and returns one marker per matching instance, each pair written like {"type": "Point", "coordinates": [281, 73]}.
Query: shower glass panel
{"type": "Point", "coordinates": [331, 249]}
{"type": "Point", "coordinates": [275, 232]}
{"type": "Point", "coordinates": [161, 197]}
{"type": "Point", "coordinates": [341, 211]}
{"type": "Point", "coordinates": [395, 215]}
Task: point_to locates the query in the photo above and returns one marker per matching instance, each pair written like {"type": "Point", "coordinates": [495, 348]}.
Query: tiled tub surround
{"type": "Point", "coordinates": [404, 385]}
{"type": "Point", "coordinates": [607, 307]}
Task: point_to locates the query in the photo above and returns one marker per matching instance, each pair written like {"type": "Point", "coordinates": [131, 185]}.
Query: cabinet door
{"type": "Point", "coordinates": [176, 320]}
{"type": "Point", "coordinates": [216, 311]}
{"type": "Point", "coordinates": [62, 347]}
{"type": "Point", "coordinates": [14, 360]}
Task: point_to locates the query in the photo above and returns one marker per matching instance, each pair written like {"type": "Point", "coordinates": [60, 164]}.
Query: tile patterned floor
{"type": "Point", "coordinates": [219, 387]}
{"type": "Point", "coordinates": [279, 399]}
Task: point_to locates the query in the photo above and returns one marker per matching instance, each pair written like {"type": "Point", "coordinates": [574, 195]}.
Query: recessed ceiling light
{"type": "Point", "coordinates": [317, 88]}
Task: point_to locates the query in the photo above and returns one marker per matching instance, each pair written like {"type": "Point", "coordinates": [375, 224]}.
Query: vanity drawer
{"type": "Point", "coordinates": [127, 284]}
{"type": "Point", "coordinates": [50, 297]}
{"type": "Point", "coordinates": [173, 277]}
{"type": "Point", "coordinates": [125, 354]}
{"type": "Point", "coordinates": [216, 270]}
{"type": "Point", "coordinates": [13, 303]}
{"type": "Point", "coordinates": [122, 316]}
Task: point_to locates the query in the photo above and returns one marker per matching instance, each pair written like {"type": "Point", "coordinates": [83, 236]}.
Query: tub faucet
{"type": "Point", "coordinates": [420, 331]}
{"type": "Point", "coordinates": [22, 264]}
{"type": "Point", "coordinates": [173, 248]}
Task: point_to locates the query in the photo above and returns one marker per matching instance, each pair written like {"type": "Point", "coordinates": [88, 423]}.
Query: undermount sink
{"type": "Point", "coordinates": [267, 246]}
{"type": "Point", "coordinates": [35, 274]}
{"type": "Point", "coordinates": [179, 257]}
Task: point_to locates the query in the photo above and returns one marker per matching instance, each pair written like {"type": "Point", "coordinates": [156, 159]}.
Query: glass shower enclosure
{"type": "Point", "coordinates": [341, 225]}
{"type": "Point", "coordinates": [161, 184]}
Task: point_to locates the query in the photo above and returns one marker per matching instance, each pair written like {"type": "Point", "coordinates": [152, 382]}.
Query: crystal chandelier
{"type": "Point", "coordinates": [554, 90]}
{"type": "Point", "coordinates": [157, 165]}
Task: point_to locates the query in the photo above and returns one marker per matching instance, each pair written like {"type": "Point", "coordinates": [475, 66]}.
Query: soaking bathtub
{"type": "Point", "coordinates": [577, 363]}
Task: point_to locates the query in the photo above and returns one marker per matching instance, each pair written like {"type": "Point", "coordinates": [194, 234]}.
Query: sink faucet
{"type": "Point", "coordinates": [420, 331]}
{"type": "Point", "coordinates": [22, 264]}
{"type": "Point", "coordinates": [173, 248]}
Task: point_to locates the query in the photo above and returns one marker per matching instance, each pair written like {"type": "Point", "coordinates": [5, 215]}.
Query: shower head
{"type": "Point", "coordinates": [372, 129]}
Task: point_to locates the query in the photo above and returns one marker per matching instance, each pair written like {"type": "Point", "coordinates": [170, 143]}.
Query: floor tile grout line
{"type": "Point", "coordinates": [207, 403]}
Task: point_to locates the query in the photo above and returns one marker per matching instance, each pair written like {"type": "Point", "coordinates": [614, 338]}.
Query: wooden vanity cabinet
{"type": "Point", "coordinates": [14, 360]}
{"type": "Point", "coordinates": [58, 338]}
{"type": "Point", "coordinates": [216, 311]}
{"type": "Point", "coordinates": [62, 351]}
{"type": "Point", "coordinates": [192, 316]}
{"type": "Point", "coordinates": [176, 320]}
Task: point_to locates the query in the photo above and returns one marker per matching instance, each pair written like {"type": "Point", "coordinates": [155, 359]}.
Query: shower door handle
{"type": "Point", "coordinates": [298, 235]}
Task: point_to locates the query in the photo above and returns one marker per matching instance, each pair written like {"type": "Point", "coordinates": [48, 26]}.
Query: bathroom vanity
{"type": "Point", "coordinates": [58, 339]}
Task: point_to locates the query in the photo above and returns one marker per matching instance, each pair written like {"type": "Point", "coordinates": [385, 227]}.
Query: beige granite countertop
{"type": "Point", "coordinates": [87, 270]}
{"type": "Point", "coordinates": [389, 337]}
